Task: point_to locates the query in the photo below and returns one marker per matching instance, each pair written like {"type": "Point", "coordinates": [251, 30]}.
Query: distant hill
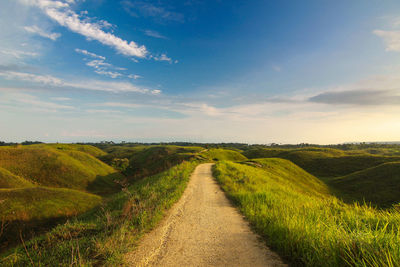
{"type": "Point", "coordinates": [324, 162]}
{"type": "Point", "coordinates": [154, 159]}
{"type": "Point", "coordinates": [223, 154]}
{"type": "Point", "coordinates": [379, 185]}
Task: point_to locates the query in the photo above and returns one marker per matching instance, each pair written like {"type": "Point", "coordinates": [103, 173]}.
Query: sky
{"type": "Point", "coordinates": [311, 71]}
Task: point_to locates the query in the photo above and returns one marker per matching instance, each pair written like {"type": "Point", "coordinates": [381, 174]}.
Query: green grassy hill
{"type": "Point", "coordinates": [306, 225]}
{"type": "Point", "coordinates": [28, 210]}
{"type": "Point", "coordinates": [9, 180]}
{"type": "Point", "coordinates": [324, 162]}
{"type": "Point", "coordinates": [103, 236]}
{"type": "Point", "coordinates": [379, 185]}
{"type": "Point", "coordinates": [217, 154]}
{"type": "Point", "coordinates": [289, 173]}
{"type": "Point", "coordinates": [41, 203]}
{"type": "Point", "coordinates": [120, 152]}
{"type": "Point", "coordinates": [155, 159]}
{"type": "Point", "coordinates": [48, 166]}
{"type": "Point", "coordinates": [91, 150]}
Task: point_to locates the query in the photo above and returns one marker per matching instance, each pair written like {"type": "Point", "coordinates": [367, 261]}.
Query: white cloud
{"type": "Point", "coordinates": [155, 92]}
{"type": "Point", "coordinates": [104, 111]}
{"type": "Point", "coordinates": [18, 54]}
{"type": "Point", "coordinates": [62, 14]}
{"type": "Point", "coordinates": [61, 98]}
{"type": "Point", "coordinates": [120, 105]}
{"type": "Point", "coordinates": [36, 30]}
{"type": "Point", "coordinates": [100, 66]}
{"type": "Point", "coordinates": [21, 100]}
{"type": "Point", "coordinates": [87, 53]}
{"type": "Point", "coordinates": [146, 9]}
{"type": "Point", "coordinates": [164, 57]}
{"type": "Point", "coordinates": [134, 76]}
{"type": "Point", "coordinates": [44, 79]}
{"type": "Point", "coordinates": [154, 34]}
{"type": "Point", "coordinates": [96, 85]}
{"type": "Point", "coordinates": [391, 39]}
{"type": "Point", "coordinates": [111, 74]}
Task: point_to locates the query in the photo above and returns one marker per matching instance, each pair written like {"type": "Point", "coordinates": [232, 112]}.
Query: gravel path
{"type": "Point", "coordinates": [203, 229]}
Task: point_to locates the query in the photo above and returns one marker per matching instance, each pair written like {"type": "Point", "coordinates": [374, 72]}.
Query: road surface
{"type": "Point", "coordinates": [203, 229]}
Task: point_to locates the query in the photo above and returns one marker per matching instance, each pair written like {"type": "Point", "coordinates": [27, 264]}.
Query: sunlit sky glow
{"type": "Point", "coordinates": [203, 71]}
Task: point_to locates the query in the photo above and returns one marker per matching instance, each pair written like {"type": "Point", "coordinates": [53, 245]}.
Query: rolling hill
{"type": "Point", "coordinates": [48, 166]}
{"type": "Point", "coordinates": [324, 162]}
{"type": "Point", "coordinates": [9, 180]}
{"type": "Point", "coordinates": [379, 185]}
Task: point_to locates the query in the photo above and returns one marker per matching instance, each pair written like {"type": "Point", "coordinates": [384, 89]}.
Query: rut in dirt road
{"type": "Point", "coordinates": [203, 229]}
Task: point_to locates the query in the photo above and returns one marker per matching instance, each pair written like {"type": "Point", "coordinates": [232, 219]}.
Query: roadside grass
{"type": "Point", "coordinates": [305, 224]}
{"type": "Point", "coordinates": [47, 166]}
{"type": "Point", "coordinates": [217, 154]}
{"type": "Point", "coordinates": [379, 185]}
{"type": "Point", "coordinates": [102, 236]}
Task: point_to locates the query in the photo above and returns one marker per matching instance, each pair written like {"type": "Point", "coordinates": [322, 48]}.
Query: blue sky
{"type": "Point", "coordinates": [206, 71]}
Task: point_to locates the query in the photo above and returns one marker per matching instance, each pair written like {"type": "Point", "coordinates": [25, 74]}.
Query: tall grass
{"type": "Point", "coordinates": [104, 235]}
{"type": "Point", "coordinates": [309, 227]}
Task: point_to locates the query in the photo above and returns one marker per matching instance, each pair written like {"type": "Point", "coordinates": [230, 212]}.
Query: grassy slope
{"type": "Point", "coordinates": [27, 210]}
{"type": "Point", "coordinates": [324, 162]}
{"type": "Point", "coordinates": [120, 152]}
{"type": "Point", "coordinates": [379, 185]}
{"type": "Point", "coordinates": [41, 203]}
{"type": "Point", "coordinates": [306, 225]}
{"type": "Point", "coordinates": [155, 159]}
{"type": "Point", "coordinates": [9, 180]}
{"type": "Point", "coordinates": [103, 236]}
{"type": "Point", "coordinates": [293, 175]}
{"type": "Point", "coordinates": [91, 150]}
{"type": "Point", "coordinates": [48, 166]}
{"type": "Point", "coordinates": [223, 154]}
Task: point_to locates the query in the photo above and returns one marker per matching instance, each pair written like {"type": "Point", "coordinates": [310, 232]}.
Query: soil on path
{"type": "Point", "coordinates": [203, 229]}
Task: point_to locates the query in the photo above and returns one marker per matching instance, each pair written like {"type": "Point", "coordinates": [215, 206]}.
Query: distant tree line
{"type": "Point", "coordinates": [25, 143]}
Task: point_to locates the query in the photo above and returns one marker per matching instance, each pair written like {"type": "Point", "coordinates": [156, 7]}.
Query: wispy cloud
{"type": "Point", "coordinates": [87, 53]}
{"type": "Point", "coordinates": [27, 101]}
{"type": "Point", "coordinates": [391, 38]}
{"type": "Point", "coordinates": [164, 57]}
{"type": "Point", "coordinates": [100, 66]}
{"type": "Point", "coordinates": [150, 9]}
{"type": "Point", "coordinates": [43, 79]}
{"type": "Point", "coordinates": [18, 54]}
{"type": "Point", "coordinates": [111, 74]}
{"type": "Point", "coordinates": [63, 15]}
{"type": "Point", "coordinates": [61, 98]}
{"type": "Point", "coordinates": [358, 97]}
{"type": "Point", "coordinates": [154, 34]}
{"type": "Point", "coordinates": [134, 76]}
{"type": "Point", "coordinates": [48, 80]}
{"type": "Point", "coordinates": [36, 30]}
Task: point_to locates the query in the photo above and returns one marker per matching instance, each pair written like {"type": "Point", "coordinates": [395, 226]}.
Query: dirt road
{"type": "Point", "coordinates": [203, 229]}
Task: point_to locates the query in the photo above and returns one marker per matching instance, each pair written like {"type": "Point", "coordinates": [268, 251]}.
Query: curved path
{"type": "Point", "coordinates": [203, 229]}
